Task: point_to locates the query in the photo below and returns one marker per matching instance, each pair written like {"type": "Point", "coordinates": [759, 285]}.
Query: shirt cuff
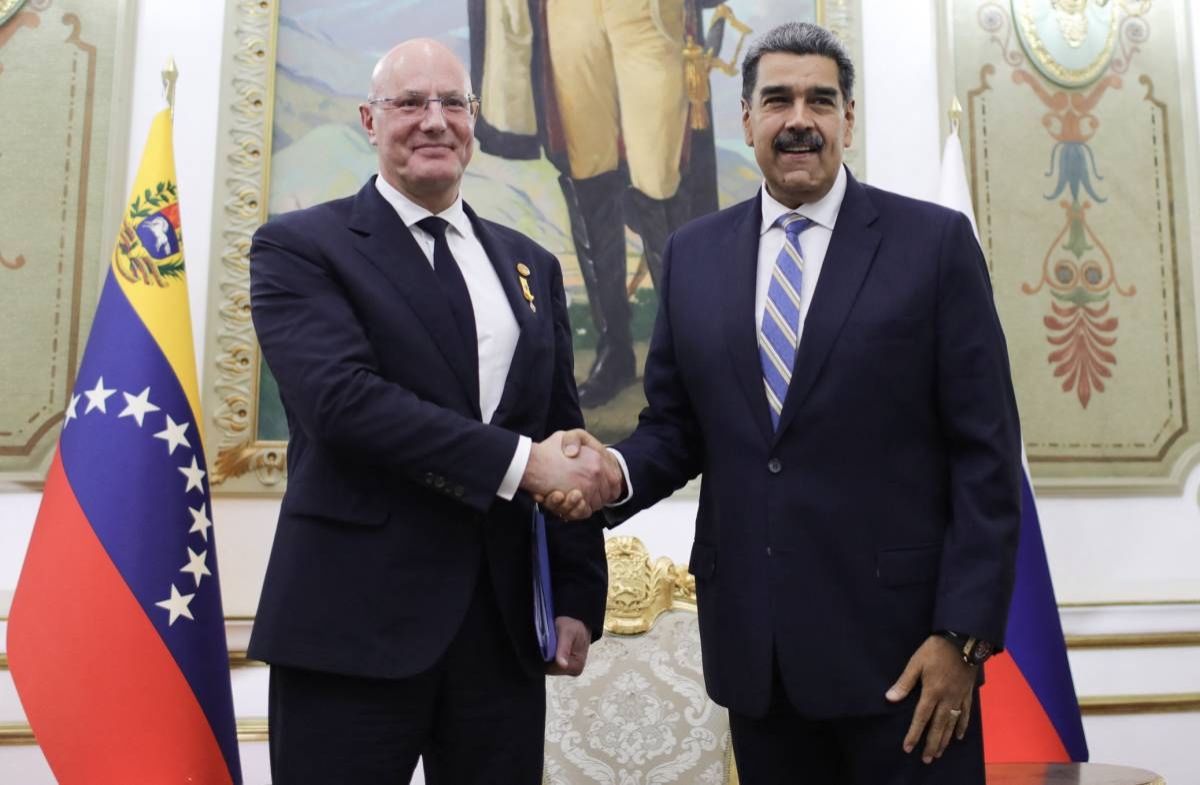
{"type": "Point", "coordinates": [625, 474]}
{"type": "Point", "coordinates": [516, 470]}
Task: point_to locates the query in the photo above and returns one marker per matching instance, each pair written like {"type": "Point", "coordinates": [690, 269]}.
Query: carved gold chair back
{"type": "Point", "coordinates": [639, 713]}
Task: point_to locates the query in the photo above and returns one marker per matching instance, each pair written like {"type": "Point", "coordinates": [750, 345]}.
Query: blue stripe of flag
{"type": "Point", "coordinates": [1035, 637]}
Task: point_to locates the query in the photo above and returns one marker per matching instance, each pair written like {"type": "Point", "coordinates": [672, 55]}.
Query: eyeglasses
{"type": "Point", "coordinates": [454, 105]}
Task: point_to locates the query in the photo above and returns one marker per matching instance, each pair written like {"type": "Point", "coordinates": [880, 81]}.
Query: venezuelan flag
{"type": "Point", "coordinates": [116, 636]}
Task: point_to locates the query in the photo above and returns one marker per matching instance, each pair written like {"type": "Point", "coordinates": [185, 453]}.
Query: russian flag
{"type": "Point", "coordinates": [116, 636]}
{"type": "Point", "coordinates": [1029, 707]}
{"type": "Point", "coordinates": [1030, 711]}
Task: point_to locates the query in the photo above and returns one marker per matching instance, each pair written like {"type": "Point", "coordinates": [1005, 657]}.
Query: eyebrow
{"type": "Point", "coordinates": [423, 93]}
{"type": "Point", "coordinates": [819, 91]}
{"type": "Point", "coordinates": [774, 90]}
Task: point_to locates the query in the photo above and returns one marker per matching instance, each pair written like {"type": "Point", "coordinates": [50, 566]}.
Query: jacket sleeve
{"type": "Point", "coordinates": [666, 450]}
{"type": "Point", "coordinates": [978, 412]}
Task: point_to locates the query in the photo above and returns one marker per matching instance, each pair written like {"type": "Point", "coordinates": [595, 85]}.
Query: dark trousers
{"type": "Point", "coordinates": [475, 717]}
{"type": "Point", "coordinates": [784, 748]}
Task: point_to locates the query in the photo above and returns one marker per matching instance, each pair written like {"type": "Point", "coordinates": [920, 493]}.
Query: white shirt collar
{"type": "Point", "coordinates": [410, 212]}
{"type": "Point", "coordinates": [823, 212]}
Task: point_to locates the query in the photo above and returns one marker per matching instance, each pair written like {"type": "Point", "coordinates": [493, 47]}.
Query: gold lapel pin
{"type": "Point", "coordinates": [525, 272]}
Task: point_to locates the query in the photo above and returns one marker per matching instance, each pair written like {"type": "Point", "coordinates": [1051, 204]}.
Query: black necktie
{"type": "Point", "coordinates": [454, 285]}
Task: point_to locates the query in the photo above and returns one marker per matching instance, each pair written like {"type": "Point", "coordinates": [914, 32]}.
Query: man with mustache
{"type": "Point", "coordinates": [828, 356]}
{"type": "Point", "coordinates": [423, 356]}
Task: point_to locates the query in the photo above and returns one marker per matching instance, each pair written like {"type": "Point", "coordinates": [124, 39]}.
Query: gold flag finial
{"type": "Point", "coordinates": [956, 113]}
{"type": "Point", "coordinates": [169, 75]}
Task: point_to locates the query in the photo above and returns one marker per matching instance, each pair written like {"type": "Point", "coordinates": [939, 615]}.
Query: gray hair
{"type": "Point", "coordinates": [798, 38]}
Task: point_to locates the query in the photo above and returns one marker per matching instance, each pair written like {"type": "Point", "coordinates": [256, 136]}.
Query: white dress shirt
{"type": "Point", "coordinates": [814, 242]}
{"type": "Point", "coordinates": [495, 325]}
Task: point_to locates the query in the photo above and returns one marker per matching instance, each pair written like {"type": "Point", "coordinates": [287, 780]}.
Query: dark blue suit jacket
{"type": "Point", "coordinates": [391, 504]}
{"type": "Point", "coordinates": [886, 505]}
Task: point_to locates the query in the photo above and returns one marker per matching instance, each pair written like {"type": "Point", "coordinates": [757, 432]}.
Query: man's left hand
{"type": "Point", "coordinates": [573, 641]}
{"type": "Point", "coordinates": [947, 691]}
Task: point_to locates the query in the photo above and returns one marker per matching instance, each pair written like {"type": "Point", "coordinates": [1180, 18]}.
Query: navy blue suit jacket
{"type": "Point", "coordinates": [390, 505]}
{"type": "Point", "coordinates": [886, 505]}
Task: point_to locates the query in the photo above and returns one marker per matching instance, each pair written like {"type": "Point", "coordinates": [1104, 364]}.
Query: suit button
{"type": "Point", "coordinates": [774, 466]}
{"type": "Point", "coordinates": [768, 551]}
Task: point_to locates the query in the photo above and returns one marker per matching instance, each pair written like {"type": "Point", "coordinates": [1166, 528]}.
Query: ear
{"type": "Point", "coordinates": [368, 122]}
{"type": "Point", "coordinates": [747, 131]}
{"type": "Point", "coordinates": [848, 133]}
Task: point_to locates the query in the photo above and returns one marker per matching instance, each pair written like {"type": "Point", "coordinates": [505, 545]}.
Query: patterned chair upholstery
{"type": "Point", "coordinates": [639, 714]}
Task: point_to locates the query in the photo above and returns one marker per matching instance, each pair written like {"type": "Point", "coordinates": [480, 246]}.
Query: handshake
{"type": "Point", "coordinates": [572, 475]}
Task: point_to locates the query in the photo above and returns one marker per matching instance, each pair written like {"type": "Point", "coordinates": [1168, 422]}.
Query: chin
{"type": "Point", "coordinates": [437, 176]}
{"type": "Point", "coordinates": [809, 182]}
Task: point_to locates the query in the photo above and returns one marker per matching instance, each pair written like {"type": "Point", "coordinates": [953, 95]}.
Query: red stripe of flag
{"type": "Point", "coordinates": [151, 728]}
{"type": "Point", "coordinates": [1017, 728]}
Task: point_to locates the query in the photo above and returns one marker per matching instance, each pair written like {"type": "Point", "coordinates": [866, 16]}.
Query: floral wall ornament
{"type": "Point", "coordinates": [1072, 43]}
{"type": "Point", "coordinates": [1081, 330]}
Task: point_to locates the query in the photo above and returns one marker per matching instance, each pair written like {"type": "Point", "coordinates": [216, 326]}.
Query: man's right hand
{"type": "Point", "coordinates": [566, 503]}
{"type": "Point", "coordinates": [574, 479]}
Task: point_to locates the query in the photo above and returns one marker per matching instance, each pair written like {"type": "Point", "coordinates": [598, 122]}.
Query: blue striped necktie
{"type": "Point", "coordinates": [779, 336]}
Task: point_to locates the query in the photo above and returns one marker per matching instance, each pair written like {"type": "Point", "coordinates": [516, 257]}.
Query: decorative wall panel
{"type": "Point", "coordinates": [63, 64]}
{"type": "Point", "coordinates": [1077, 148]}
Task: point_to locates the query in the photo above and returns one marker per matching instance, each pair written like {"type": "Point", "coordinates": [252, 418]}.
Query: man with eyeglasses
{"type": "Point", "coordinates": [423, 356]}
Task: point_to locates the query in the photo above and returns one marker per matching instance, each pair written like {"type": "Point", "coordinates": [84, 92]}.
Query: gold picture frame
{"type": "Point", "coordinates": [247, 445]}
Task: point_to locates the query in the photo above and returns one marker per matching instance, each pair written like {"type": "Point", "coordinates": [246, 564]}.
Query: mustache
{"type": "Point", "coordinates": [790, 138]}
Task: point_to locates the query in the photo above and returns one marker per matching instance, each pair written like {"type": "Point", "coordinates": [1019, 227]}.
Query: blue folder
{"type": "Point", "coordinates": [543, 600]}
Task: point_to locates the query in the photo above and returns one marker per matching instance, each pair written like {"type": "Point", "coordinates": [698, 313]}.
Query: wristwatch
{"type": "Point", "coordinates": [973, 650]}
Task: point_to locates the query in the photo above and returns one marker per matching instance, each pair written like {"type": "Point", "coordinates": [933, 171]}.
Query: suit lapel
{"type": "Point", "coordinates": [505, 258]}
{"type": "Point", "coordinates": [389, 245]}
{"type": "Point", "coordinates": [851, 252]}
{"type": "Point", "coordinates": [741, 333]}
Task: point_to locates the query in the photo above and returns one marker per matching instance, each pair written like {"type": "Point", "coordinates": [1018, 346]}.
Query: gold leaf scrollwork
{"type": "Point", "coordinates": [638, 590]}
{"type": "Point", "coordinates": [239, 452]}
{"type": "Point", "coordinates": [266, 464]}
{"type": "Point", "coordinates": [1073, 27]}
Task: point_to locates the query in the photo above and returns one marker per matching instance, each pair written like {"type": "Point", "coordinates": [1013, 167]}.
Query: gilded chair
{"type": "Point", "coordinates": [639, 714]}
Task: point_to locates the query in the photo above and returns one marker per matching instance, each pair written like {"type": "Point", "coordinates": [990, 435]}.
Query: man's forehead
{"type": "Point", "coordinates": [422, 81]}
{"type": "Point", "coordinates": [424, 72]}
{"type": "Point", "coordinates": [785, 68]}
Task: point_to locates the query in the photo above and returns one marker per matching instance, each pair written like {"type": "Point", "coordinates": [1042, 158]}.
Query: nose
{"type": "Point", "coordinates": [434, 118]}
{"type": "Point", "coordinates": [800, 118]}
